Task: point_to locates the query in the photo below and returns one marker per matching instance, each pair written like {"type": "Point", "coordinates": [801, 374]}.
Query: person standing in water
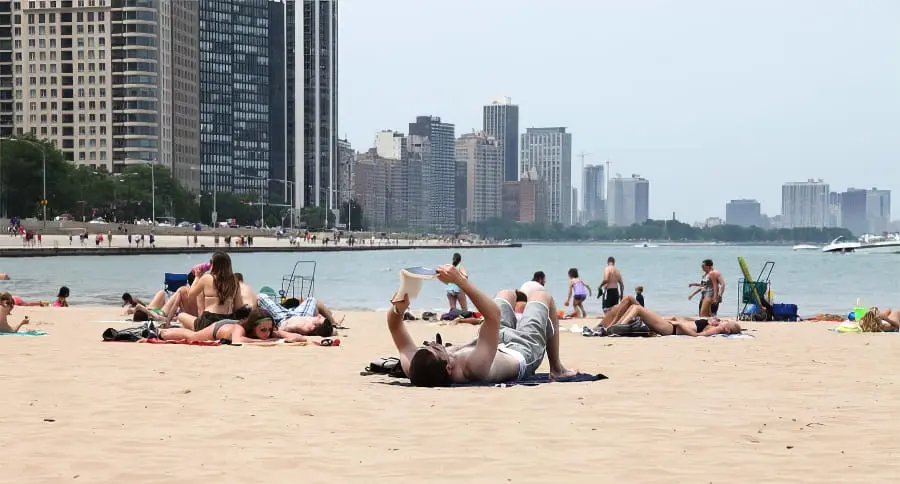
{"type": "Point", "coordinates": [454, 294]}
{"type": "Point", "coordinates": [612, 288]}
{"type": "Point", "coordinates": [578, 292]}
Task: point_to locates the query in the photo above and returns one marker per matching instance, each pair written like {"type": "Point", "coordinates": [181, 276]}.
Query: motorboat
{"type": "Point", "coordinates": [645, 245]}
{"type": "Point", "coordinates": [805, 247]}
{"type": "Point", "coordinates": [869, 243]}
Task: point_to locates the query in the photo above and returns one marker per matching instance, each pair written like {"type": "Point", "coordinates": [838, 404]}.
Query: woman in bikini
{"type": "Point", "coordinates": [221, 295]}
{"type": "Point", "coordinates": [675, 326]}
{"type": "Point", "coordinates": [258, 326]}
{"type": "Point", "coordinates": [454, 295]}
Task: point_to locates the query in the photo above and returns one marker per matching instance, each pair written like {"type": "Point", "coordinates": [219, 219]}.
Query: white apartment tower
{"type": "Point", "coordinates": [805, 204]}
{"type": "Point", "coordinates": [628, 201]}
{"type": "Point", "coordinates": [501, 122]}
{"type": "Point", "coordinates": [482, 156]}
{"type": "Point", "coordinates": [549, 151]}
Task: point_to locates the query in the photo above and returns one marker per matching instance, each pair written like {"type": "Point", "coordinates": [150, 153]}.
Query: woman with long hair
{"type": "Point", "coordinates": [257, 326]}
{"type": "Point", "coordinates": [454, 294]}
{"type": "Point", "coordinates": [221, 295]}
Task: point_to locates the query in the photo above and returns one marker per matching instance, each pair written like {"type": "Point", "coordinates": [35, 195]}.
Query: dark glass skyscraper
{"type": "Point", "coordinates": [237, 125]}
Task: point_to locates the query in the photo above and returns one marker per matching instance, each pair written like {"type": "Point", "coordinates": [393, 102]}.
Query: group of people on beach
{"type": "Point", "coordinates": [217, 304]}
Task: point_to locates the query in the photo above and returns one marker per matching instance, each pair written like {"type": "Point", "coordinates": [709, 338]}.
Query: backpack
{"type": "Point", "coordinates": [634, 328]}
{"type": "Point", "coordinates": [146, 331]}
{"type": "Point", "coordinates": [386, 366]}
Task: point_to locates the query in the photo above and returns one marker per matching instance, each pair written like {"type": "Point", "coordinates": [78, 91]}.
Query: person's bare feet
{"type": "Point", "coordinates": [562, 373]}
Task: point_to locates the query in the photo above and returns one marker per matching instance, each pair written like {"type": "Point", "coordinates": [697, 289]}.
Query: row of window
{"type": "Point", "coordinates": [44, 105]}
{"type": "Point", "coordinates": [64, 30]}
{"type": "Point", "coordinates": [32, 4]}
{"type": "Point", "coordinates": [43, 18]}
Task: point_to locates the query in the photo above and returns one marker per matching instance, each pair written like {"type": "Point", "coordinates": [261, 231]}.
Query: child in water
{"type": "Point", "coordinates": [578, 292]}
{"type": "Point", "coordinates": [639, 294]}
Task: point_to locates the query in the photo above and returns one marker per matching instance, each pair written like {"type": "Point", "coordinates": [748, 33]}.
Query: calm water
{"type": "Point", "coordinates": [815, 281]}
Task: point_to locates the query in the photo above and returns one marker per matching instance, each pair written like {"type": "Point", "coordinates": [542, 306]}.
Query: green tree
{"type": "Point", "coordinates": [22, 177]}
{"type": "Point", "coordinates": [314, 217]}
{"type": "Point", "coordinates": [352, 215]}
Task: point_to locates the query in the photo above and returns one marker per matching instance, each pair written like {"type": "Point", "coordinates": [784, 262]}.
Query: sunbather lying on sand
{"type": "Point", "coordinates": [890, 320]}
{"type": "Point", "coordinates": [673, 326]}
{"type": "Point", "coordinates": [309, 318]}
{"type": "Point", "coordinates": [258, 326]}
{"type": "Point", "coordinates": [505, 350]}
{"type": "Point", "coordinates": [6, 306]}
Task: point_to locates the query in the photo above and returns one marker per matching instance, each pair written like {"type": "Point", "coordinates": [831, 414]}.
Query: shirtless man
{"type": "Point", "coordinates": [309, 318]}
{"type": "Point", "coordinates": [247, 293]}
{"type": "Point", "coordinates": [505, 350]}
{"type": "Point", "coordinates": [612, 288]}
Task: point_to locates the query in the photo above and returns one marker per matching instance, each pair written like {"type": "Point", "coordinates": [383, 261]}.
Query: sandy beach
{"type": "Point", "coordinates": [796, 403]}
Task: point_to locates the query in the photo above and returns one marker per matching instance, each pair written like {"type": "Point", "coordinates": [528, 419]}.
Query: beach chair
{"type": "Point", "coordinates": [301, 282]}
{"type": "Point", "coordinates": [752, 291]}
{"type": "Point", "coordinates": [172, 281]}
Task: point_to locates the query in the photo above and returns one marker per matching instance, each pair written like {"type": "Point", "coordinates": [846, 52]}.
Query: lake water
{"type": "Point", "coordinates": [815, 281]}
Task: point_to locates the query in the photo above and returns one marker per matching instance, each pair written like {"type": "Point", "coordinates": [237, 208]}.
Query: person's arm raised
{"type": "Point", "coordinates": [397, 327]}
{"type": "Point", "coordinates": [478, 364]}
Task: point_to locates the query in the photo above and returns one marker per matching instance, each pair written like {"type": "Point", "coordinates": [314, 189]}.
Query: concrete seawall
{"type": "Point", "coordinates": [112, 251]}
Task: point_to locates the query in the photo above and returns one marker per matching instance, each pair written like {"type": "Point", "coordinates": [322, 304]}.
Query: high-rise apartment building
{"type": "Point", "coordinates": [526, 200]}
{"type": "Point", "coordinates": [594, 202]}
{"type": "Point", "coordinates": [628, 200]}
{"type": "Point", "coordinates": [312, 105]}
{"type": "Point", "coordinates": [866, 211]}
{"type": "Point", "coordinates": [435, 142]}
{"type": "Point", "coordinates": [501, 121]}
{"type": "Point", "coordinates": [238, 131]}
{"type": "Point", "coordinates": [482, 157]}
{"type": "Point", "coordinates": [101, 79]}
{"type": "Point", "coordinates": [549, 151]}
{"type": "Point", "coordinates": [804, 204]}
{"type": "Point", "coordinates": [390, 144]}
{"type": "Point", "coordinates": [743, 213]}
{"type": "Point", "coordinates": [185, 89]}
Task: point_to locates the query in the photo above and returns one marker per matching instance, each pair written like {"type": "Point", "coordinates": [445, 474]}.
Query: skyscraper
{"type": "Point", "coordinates": [549, 151]}
{"type": "Point", "coordinates": [482, 156]}
{"type": "Point", "coordinates": [628, 200]}
{"type": "Point", "coordinates": [743, 213]}
{"type": "Point", "coordinates": [594, 192]}
{"type": "Point", "coordinates": [866, 211]}
{"type": "Point", "coordinates": [102, 80]}
{"type": "Point", "coordinates": [501, 121]}
{"type": "Point", "coordinates": [436, 143]}
{"type": "Point", "coordinates": [237, 128]}
{"type": "Point", "coordinates": [312, 106]}
{"type": "Point", "coordinates": [804, 204]}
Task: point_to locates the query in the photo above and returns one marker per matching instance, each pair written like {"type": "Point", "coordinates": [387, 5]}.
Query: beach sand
{"type": "Point", "coordinates": [796, 404]}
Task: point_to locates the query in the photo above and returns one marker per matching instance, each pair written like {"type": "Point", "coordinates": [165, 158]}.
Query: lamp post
{"type": "Point", "coordinates": [43, 167]}
{"type": "Point", "coordinates": [153, 193]}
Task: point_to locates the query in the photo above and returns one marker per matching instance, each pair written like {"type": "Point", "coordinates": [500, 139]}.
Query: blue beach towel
{"type": "Point", "coordinates": [25, 333]}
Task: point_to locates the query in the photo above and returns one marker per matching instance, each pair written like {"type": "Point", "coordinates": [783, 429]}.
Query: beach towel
{"type": "Point", "coordinates": [536, 380]}
{"type": "Point", "coordinates": [728, 336]}
{"type": "Point", "coordinates": [181, 342]}
{"type": "Point", "coordinates": [25, 333]}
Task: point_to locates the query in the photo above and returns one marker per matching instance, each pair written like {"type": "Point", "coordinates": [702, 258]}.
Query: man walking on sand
{"type": "Point", "coordinates": [505, 349]}
{"type": "Point", "coordinates": [612, 288]}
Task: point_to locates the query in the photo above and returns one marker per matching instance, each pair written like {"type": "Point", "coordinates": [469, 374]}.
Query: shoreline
{"type": "Point", "coordinates": [22, 252]}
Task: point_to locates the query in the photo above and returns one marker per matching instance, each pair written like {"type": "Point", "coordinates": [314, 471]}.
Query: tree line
{"type": "Point", "coordinates": [658, 230]}
{"type": "Point", "coordinates": [86, 193]}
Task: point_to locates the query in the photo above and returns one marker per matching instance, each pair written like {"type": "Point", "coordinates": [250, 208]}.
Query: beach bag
{"type": "Point", "coordinates": [387, 366]}
{"type": "Point", "coordinates": [634, 329]}
{"type": "Point", "coordinates": [147, 331]}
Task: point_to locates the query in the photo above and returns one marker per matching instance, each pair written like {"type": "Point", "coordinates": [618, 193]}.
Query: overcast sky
{"type": "Point", "coordinates": [710, 100]}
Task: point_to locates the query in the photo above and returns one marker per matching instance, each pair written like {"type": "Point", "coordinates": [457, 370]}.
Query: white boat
{"type": "Point", "coordinates": [805, 247]}
{"type": "Point", "coordinates": [868, 243]}
{"type": "Point", "coordinates": [645, 245]}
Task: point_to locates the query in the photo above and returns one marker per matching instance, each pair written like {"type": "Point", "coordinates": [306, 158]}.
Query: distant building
{"type": "Point", "coordinates": [628, 201]}
{"type": "Point", "coordinates": [481, 158]}
{"type": "Point", "coordinates": [834, 210]}
{"type": "Point", "coordinates": [804, 204]}
{"type": "Point", "coordinates": [390, 144]}
{"type": "Point", "coordinates": [866, 211]}
{"type": "Point", "coordinates": [501, 121]}
{"type": "Point", "coordinates": [743, 213]}
{"type": "Point", "coordinates": [526, 200]}
{"type": "Point", "coordinates": [713, 222]}
{"type": "Point", "coordinates": [593, 203]}
{"type": "Point", "coordinates": [549, 151]}
{"type": "Point", "coordinates": [370, 177]}
{"type": "Point", "coordinates": [436, 143]}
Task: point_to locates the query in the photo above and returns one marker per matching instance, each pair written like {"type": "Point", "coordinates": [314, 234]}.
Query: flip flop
{"type": "Point", "coordinates": [328, 342]}
{"type": "Point", "coordinates": [340, 324]}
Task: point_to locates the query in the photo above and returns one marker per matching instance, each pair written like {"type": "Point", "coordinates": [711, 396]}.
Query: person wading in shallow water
{"type": "Point", "coordinates": [612, 288]}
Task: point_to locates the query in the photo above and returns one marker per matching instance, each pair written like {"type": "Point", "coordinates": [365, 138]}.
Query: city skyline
{"type": "Point", "coordinates": [787, 105]}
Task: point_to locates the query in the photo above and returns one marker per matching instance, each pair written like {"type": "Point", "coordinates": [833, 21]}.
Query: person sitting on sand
{"type": "Point", "coordinates": [62, 298]}
{"type": "Point", "coordinates": [309, 318]}
{"type": "Point", "coordinates": [221, 295]}
{"type": "Point", "coordinates": [247, 294]}
{"type": "Point", "coordinates": [505, 350]}
{"type": "Point", "coordinates": [886, 320]}
{"type": "Point", "coordinates": [257, 326]}
{"type": "Point", "coordinates": [130, 302]}
{"type": "Point", "coordinates": [6, 306]}
{"type": "Point", "coordinates": [158, 309]}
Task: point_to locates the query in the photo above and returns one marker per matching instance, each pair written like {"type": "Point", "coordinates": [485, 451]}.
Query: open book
{"type": "Point", "coordinates": [411, 280]}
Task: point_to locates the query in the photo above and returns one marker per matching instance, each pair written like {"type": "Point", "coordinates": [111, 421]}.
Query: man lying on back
{"type": "Point", "coordinates": [505, 349]}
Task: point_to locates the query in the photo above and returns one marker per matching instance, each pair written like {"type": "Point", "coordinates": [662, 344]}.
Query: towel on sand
{"type": "Point", "coordinates": [25, 333]}
{"type": "Point", "coordinates": [537, 379]}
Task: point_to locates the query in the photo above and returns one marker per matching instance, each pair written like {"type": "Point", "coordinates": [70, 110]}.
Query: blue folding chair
{"type": "Point", "coordinates": [172, 282]}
